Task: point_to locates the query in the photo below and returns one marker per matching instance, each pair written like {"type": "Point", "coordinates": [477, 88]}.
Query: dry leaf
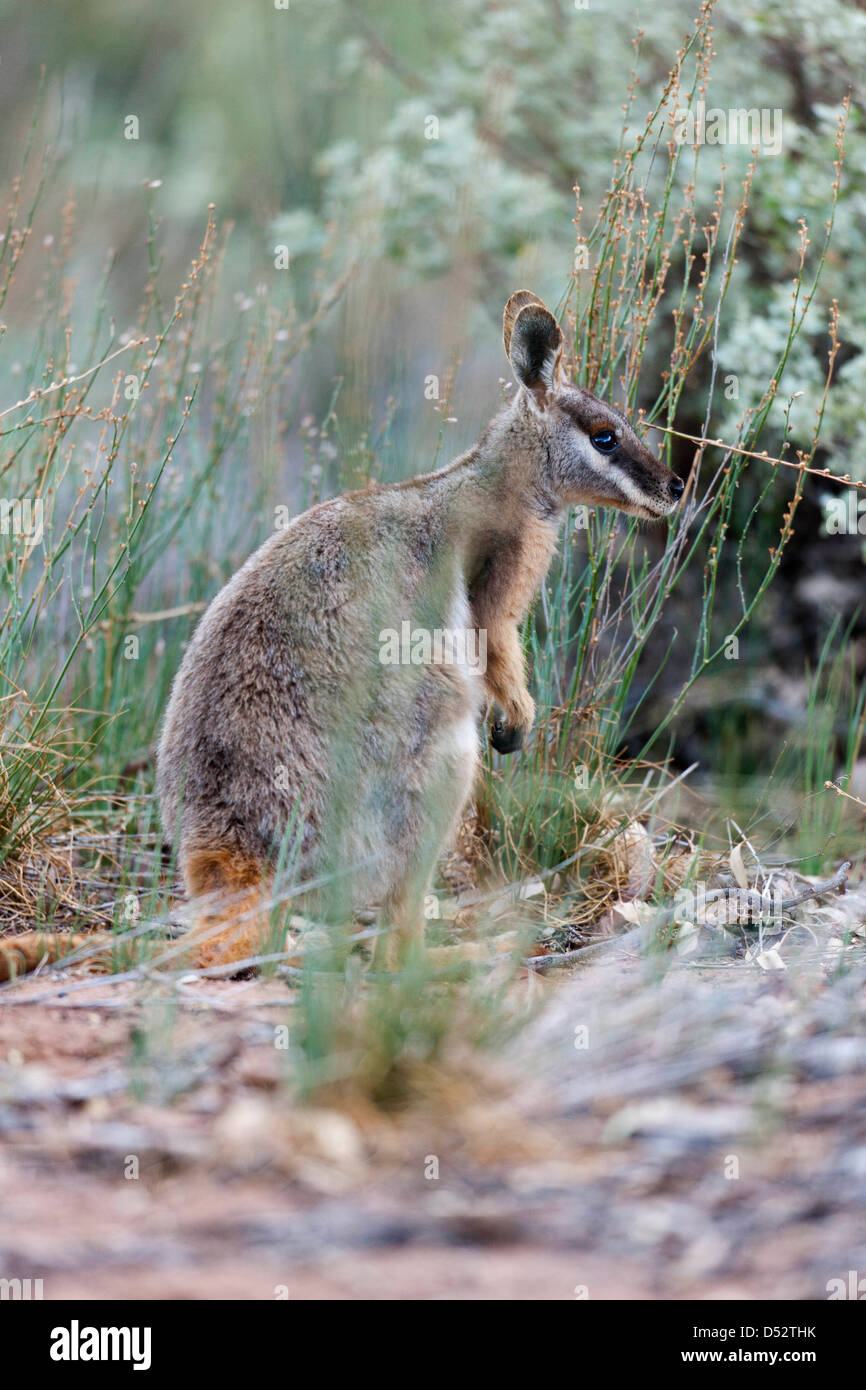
{"type": "Point", "coordinates": [632, 862]}
{"type": "Point", "coordinates": [632, 911]}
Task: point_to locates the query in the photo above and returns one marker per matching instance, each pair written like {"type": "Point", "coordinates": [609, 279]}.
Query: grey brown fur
{"type": "Point", "coordinates": [282, 713]}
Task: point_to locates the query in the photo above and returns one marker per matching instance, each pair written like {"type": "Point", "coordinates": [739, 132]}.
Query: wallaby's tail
{"type": "Point", "coordinates": [244, 923]}
{"type": "Point", "coordinates": [230, 922]}
{"type": "Point", "coordinates": [21, 954]}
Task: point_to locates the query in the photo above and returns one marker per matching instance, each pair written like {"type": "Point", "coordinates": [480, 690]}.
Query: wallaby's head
{"type": "Point", "coordinates": [592, 454]}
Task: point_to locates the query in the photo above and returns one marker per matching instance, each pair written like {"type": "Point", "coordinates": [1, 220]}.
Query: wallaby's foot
{"type": "Point", "coordinates": [232, 923]}
{"type": "Point", "coordinates": [396, 948]}
{"type": "Point", "coordinates": [233, 942]}
{"type": "Point", "coordinates": [486, 948]}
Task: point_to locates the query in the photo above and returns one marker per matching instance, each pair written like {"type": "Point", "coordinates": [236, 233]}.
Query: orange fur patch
{"type": "Point", "coordinates": [237, 887]}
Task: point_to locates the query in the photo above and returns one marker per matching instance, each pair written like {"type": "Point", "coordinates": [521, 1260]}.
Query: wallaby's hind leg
{"type": "Point", "coordinates": [402, 914]}
{"type": "Point", "coordinates": [402, 922]}
{"type": "Point", "coordinates": [229, 891]}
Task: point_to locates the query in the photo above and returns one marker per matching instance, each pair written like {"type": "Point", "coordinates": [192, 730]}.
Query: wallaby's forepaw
{"type": "Point", "coordinates": [510, 728]}
{"type": "Point", "coordinates": [506, 738]}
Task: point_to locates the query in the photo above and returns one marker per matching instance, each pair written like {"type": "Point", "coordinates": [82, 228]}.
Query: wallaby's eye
{"type": "Point", "coordinates": [605, 441]}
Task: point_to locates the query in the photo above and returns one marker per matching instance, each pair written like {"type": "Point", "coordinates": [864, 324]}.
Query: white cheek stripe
{"type": "Point", "coordinates": [632, 492]}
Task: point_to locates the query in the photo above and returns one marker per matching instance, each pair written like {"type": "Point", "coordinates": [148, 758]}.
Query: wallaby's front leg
{"type": "Point", "coordinates": [506, 685]}
{"type": "Point", "coordinates": [501, 594]}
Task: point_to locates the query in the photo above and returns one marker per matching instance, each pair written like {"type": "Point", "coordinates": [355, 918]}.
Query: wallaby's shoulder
{"type": "Point", "coordinates": [333, 542]}
{"type": "Point", "coordinates": [327, 555]}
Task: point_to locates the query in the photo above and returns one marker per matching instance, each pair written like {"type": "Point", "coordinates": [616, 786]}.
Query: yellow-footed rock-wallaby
{"type": "Point", "coordinates": [286, 720]}
{"type": "Point", "coordinates": [317, 723]}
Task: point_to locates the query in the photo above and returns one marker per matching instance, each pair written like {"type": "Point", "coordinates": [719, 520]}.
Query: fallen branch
{"type": "Point", "coordinates": [643, 935]}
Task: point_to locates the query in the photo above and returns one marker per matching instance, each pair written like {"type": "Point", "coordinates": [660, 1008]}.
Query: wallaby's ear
{"type": "Point", "coordinates": [518, 301]}
{"type": "Point", "coordinates": [533, 342]}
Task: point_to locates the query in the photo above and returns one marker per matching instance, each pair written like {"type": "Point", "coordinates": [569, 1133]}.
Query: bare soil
{"type": "Point", "coordinates": [706, 1137]}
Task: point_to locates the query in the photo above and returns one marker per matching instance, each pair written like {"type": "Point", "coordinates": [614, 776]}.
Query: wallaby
{"type": "Point", "coordinates": [287, 724]}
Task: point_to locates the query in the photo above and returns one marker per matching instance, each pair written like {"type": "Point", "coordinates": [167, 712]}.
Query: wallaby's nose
{"type": "Point", "coordinates": [676, 487]}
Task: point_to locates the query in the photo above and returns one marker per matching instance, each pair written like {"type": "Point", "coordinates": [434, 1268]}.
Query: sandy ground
{"type": "Point", "coordinates": [709, 1141]}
